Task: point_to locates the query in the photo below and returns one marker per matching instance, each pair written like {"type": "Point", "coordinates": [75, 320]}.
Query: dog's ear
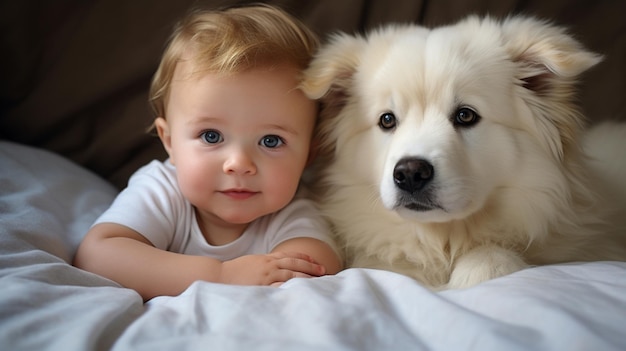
{"type": "Point", "coordinates": [330, 74]}
{"type": "Point", "coordinates": [545, 49]}
{"type": "Point", "coordinates": [549, 61]}
{"type": "Point", "coordinates": [328, 79]}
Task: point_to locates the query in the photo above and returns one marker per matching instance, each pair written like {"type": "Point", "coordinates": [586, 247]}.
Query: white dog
{"type": "Point", "coordinates": [453, 155]}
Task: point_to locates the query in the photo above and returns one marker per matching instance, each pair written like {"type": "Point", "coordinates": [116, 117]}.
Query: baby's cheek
{"type": "Point", "coordinates": [286, 182]}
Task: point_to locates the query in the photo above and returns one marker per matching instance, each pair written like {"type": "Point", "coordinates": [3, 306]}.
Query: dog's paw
{"type": "Point", "coordinates": [484, 263]}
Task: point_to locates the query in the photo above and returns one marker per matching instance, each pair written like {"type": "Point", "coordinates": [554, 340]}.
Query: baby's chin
{"type": "Point", "coordinates": [239, 216]}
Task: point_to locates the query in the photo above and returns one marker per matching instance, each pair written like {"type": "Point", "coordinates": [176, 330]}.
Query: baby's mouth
{"type": "Point", "coordinates": [239, 194]}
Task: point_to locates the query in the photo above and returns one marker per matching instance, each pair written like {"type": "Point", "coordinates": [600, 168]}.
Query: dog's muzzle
{"type": "Point", "coordinates": [412, 176]}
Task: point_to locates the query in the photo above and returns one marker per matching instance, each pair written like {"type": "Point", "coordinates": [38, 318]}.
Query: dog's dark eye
{"type": "Point", "coordinates": [387, 121]}
{"type": "Point", "coordinates": [465, 117]}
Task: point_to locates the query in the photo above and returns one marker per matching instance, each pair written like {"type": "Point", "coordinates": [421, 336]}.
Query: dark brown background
{"type": "Point", "coordinates": [74, 74]}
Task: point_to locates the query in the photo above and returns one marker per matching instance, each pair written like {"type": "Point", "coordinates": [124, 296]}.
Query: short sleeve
{"type": "Point", "coordinates": [300, 219]}
{"type": "Point", "coordinates": [150, 204]}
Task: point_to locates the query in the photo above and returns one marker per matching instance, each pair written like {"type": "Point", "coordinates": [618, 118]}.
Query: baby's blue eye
{"type": "Point", "coordinates": [271, 141]}
{"type": "Point", "coordinates": [211, 137]}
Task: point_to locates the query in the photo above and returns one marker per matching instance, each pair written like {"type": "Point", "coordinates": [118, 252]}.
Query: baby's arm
{"type": "Point", "coordinates": [318, 250]}
{"type": "Point", "coordinates": [123, 255]}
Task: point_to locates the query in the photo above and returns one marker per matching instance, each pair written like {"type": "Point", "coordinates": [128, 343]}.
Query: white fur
{"type": "Point", "coordinates": [509, 192]}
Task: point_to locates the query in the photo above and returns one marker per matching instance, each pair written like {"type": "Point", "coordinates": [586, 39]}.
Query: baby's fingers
{"type": "Point", "coordinates": [298, 255]}
{"type": "Point", "coordinates": [299, 265]}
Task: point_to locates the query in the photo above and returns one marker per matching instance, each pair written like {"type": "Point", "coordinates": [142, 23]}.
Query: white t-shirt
{"type": "Point", "coordinates": [153, 206]}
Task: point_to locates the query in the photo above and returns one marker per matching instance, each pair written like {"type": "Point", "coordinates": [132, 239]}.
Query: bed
{"type": "Point", "coordinates": [48, 202]}
{"type": "Point", "coordinates": [72, 124]}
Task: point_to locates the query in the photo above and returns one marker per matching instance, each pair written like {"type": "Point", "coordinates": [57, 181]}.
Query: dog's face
{"type": "Point", "coordinates": [437, 121]}
{"type": "Point", "coordinates": [435, 109]}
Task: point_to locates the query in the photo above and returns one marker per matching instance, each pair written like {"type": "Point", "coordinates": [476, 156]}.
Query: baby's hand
{"type": "Point", "coordinates": [271, 269]}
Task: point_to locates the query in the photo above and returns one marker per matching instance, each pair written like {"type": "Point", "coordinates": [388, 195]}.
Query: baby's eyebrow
{"type": "Point", "coordinates": [284, 128]}
{"type": "Point", "coordinates": [200, 119]}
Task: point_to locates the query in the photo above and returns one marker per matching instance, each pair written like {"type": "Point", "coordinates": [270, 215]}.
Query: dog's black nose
{"type": "Point", "coordinates": [412, 174]}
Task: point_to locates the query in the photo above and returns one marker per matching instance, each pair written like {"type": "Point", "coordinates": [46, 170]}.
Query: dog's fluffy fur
{"type": "Point", "coordinates": [454, 154]}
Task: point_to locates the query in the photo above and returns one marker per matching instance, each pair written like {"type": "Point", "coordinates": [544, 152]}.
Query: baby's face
{"type": "Point", "coordinates": [239, 142]}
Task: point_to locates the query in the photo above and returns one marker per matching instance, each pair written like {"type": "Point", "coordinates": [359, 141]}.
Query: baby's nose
{"type": "Point", "coordinates": [240, 162]}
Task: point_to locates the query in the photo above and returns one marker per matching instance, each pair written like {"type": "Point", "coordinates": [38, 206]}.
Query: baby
{"type": "Point", "coordinates": [238, 132]}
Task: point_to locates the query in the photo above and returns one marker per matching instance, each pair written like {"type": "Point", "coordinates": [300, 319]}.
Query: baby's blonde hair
{"type": "Point", "coordinates": [230, 41]}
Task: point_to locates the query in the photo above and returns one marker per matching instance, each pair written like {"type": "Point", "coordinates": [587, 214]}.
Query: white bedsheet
{"type": "Point", "coordinates": [47, 204]}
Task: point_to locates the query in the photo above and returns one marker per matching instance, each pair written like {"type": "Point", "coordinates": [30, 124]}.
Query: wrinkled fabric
{"type": "Point", "coordinates": [47, 204]}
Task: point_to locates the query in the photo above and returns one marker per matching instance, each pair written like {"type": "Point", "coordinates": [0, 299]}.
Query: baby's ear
{"type": "Point", "coordinates": [163, 130]}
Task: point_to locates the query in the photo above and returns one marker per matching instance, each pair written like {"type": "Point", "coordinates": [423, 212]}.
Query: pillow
{"type": "Point", "coordinates": [47, 203]}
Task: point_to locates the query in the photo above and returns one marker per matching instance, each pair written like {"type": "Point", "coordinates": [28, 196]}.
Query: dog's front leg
{"type": "Point", "coordinates": [484, 263]}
